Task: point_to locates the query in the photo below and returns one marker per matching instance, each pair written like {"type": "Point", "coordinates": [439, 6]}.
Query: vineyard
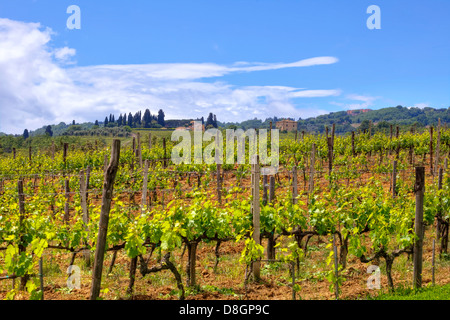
{"type": "Point", "coordinates": [125, 222]}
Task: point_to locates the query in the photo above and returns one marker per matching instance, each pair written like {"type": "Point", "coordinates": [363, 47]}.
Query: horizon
{"type": "Point", "coordinates": [68, 123]}
{"type": "Point", "coordinates": [236, 59]}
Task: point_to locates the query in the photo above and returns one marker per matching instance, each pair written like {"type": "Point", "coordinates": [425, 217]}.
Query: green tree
{"type": "Point", "coordinates": [48, 131]}
{"type": "Point", "coordinates": [161, 116]}
{"type": "Point", "coordinates": [130, 120]}
{"type": "Point", "coordinates": [210, 121]}
{"type": "Point", "coordinates": [147, 118]}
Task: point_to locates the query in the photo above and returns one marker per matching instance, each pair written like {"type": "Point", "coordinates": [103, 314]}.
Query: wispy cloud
{"type": "Point", "coordinates": [43, 85]}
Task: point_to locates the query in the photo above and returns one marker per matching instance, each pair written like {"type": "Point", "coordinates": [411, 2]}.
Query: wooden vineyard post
{"type": "Point", "coordinates": [311, 169]}
{"type": "Point", "coordinates": [294, 185]}
{"type": "Point", "coordinates": [66, 148]}
{"type": "Point", "coordinates": [271, 239]}
{"type": "Point", "coordinates": [333, 130]}
{"type": "Point", "coordinates": [397, 135]}
{"type": "Point", "coordinates": [14, 153]}
{"type": "Point", "coordinates": [394, 179]}
{"type": "Point", "coordinates": [66, 204]}
{"type": "Point", "coordinates": [29, 154]}
{"type": "Point", "coordinates": [256, 265]}
{"type": "Point", "coordinates": [272, 189]}
{"type": "Point", "coordinates": [150, 141]}
{"type": "Point", "coordinates": [108, 187]}
{"type": "Point", "coordinates": [41, 277]}
{"type": "Point", "coordinates": [105, 163]}
{"type": "Point", "coordinates": [265, 185]}
{"type": "Point", "coordinates": [84, 208]}
{"type": "Point", "coordinates": [418, 227]}
{"type": "Point", "coordinates": [144, 187]}
{"type": "Point", "coordinates": [330, 154]}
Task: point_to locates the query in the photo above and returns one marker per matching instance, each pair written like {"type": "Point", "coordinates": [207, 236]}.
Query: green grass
{"type": "Point", "coordinates": [425, 293]}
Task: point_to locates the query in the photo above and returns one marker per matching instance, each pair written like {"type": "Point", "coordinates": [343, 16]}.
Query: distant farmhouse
{"type": "Point", "coordinates": [286, 125]}
{"type": "Point", "coordinates": [355, 112]}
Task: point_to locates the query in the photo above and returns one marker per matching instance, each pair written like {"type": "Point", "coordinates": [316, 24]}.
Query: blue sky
{"type": "Point", "coordinates": [239, 59]}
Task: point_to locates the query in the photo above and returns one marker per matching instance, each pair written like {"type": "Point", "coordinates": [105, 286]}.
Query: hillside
{"type": "Point", "coordinates": [347, 121]}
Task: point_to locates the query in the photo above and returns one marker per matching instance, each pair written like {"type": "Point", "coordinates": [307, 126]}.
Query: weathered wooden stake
{"type": "Point", "coordinates": [265, 185]}
{"type": "Point", "coordinates": [108, 187]}
{"type": "Point", "coordinates": [419, 188]}
{"type": "Point", "coordinates": [272, 189]}
{"type": "Point", "coordinates": [65, 150]}
{"type": "Point", "coordinates": [256, 265]}
{"type": "Point", "coordinates": [333, 130]}
{"type": "Point", "coordinates": [41, 278]}
{"type": "Point", "coordinates": [66, 204]}
{"type": "Point", "coordinates": [330, 154]}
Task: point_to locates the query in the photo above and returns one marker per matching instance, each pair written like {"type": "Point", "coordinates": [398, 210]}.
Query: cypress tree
{"type": "Point", "coordinates": [161, 116]}
{"type": "Point", "coordinates": [130, 120]}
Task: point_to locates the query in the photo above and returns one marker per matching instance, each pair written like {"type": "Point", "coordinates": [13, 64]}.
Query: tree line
{"type": "Point", "coordinates": [135, 121]}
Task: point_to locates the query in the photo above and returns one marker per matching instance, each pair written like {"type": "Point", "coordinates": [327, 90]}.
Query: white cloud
{"type": "Point", "coordinates": [38, 87]}
{"type": "Point", "coordinates": [64, 54]}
